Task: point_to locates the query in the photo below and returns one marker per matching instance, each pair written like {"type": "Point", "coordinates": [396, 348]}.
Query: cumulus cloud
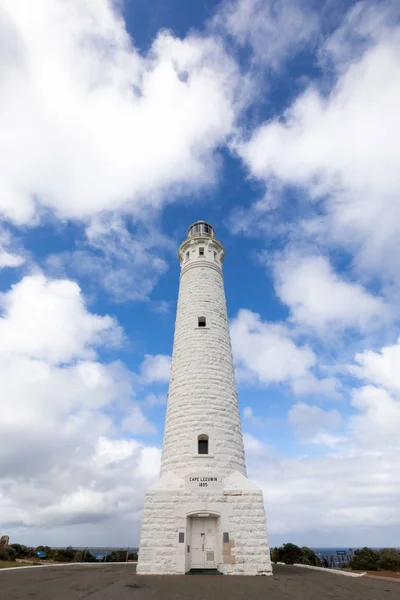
{"type": "Point", "coordinates": [74, 413]}
{"type": "Point", "coordinates": [381, 368]}
{"type": "Point", "coordinates": [89, 124]}
{"type": "Point", "coordinates": [328, 387]}
{"type": "Point", "coordinates": [310, 421]}
{"type": "Point", "coordinates": [321, 299]}
{"type": "Point", "coordinates": [274, 29]}
{"type": "Point", "coordinates": [266, 353]}
{"type": "Point", "coordinates": [266, 350]}
{"type": "Point", "coordinates": [121, 258]}
{"type": "Point", "coordinates": [47, 319]}
{"type": "Point", "coordinates": [10, 255]}
{"type": "Point", "coordinates": [155, 369]}
{"type": "Point", "coordinates": [341, 147]}
{"type": "Point", "coordinates": [250, 418]}
{"type": "Point", "coordinates": [341, 496]}
{"type": "Point", "coordinates": [377, 400]}
{"type": "Point", "coordinates": [378, 423]}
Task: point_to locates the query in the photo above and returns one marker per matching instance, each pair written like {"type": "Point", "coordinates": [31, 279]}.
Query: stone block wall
{"type": "Point", "coordinates": [241, 515]}
{"type": "Point", "coordinates": [202, 396]}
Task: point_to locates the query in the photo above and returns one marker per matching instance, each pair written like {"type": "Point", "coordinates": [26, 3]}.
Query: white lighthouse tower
{"type": "Point", "coordinates": [203, 513]}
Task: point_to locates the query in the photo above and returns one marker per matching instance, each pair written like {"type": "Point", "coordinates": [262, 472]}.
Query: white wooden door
{"type": "Point", "coordinates": [203, 543]}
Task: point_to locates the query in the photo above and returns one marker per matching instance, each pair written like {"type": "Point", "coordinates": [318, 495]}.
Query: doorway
{"type": "Point", "coordinates": [203, 542]}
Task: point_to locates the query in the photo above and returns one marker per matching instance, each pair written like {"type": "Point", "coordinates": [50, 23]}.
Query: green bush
{"type": "Point", "coordinates": [365, 559]}
{"type": "Point", "coordinates": [290, 554]}
{"type": "Point", "coordinates": [65, 554]}
{"type": "Point", "coordinates": [23, 551]}
{"type": "Point", "coordinates": [309, 557]}
{"type": "Point", "coordinates": [275, 555]}
{"type": "Point", "coordinates": [88, 557]}
{"type": "Point", "coordinates": [389, 559]}
{"type": "Point", "coordinates": [133, 556]}
{"type": "Point", "coordinates": [7, 553]}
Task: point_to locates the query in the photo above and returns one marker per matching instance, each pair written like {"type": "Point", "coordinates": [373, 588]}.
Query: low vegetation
{"type": "Point", "coordinates": [366, 559]}
{"type": "Point", "coordinates": [15, 554]}
{"type": "Point", "coordinates": [291, 554]}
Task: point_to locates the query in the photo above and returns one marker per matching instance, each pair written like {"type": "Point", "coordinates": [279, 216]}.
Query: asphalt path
{"type": "Point", "coordinates": [119, 582]}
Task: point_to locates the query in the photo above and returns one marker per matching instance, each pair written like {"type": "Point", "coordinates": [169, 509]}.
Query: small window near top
{"type": "Point", "coordinates": [202, 442]}
{"type": "Point", "coordinates": [215, 256]}
{"type": "Point", "coordinates": [202, 322]}
{"type": "Point", "coordinates": [201, 251]}
{"type": "Point", "coordinates": [187, 255]}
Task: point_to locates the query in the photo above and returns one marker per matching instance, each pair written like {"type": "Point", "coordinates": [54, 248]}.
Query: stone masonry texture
{"type": "Point", "coordinates": [202, 400]}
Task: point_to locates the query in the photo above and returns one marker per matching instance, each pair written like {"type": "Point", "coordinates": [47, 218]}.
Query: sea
{"type": "Point", "coordinates": [100, 553]}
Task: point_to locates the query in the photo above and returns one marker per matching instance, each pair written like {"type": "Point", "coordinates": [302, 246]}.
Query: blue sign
{"type": "Point", "coordinates": [99, 555]}
{"type": "Point", "coordinates": [341, 552]}
{"type": "Point", "coordinates": [41, 554]}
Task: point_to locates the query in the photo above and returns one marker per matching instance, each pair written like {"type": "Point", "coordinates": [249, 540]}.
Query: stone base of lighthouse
{"type": "Point", "coordinates": [202, 521]}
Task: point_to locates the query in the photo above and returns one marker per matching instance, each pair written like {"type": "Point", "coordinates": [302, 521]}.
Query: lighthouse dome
{"type": "Point", "coordinates": [201, 228]}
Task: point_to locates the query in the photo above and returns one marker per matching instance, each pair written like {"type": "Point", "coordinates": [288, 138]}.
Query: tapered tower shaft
{"type": "Point", "coordinates": [203, 513]}
{"type": "Point", "coordinates": [202, 398]}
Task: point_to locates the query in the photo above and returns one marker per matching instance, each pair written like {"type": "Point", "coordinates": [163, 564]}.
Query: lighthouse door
{"type": "Point", "coordinates": [203, 543]}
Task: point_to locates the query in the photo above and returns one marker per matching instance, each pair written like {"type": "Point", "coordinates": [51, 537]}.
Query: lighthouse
{"type": "Point", "coordinates": [203, 514]}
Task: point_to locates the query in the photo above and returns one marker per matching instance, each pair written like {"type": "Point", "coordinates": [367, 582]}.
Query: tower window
{"type": "Point", "coordinates": [201, 251]}
{"type": "Point", "coordinates": [202, 322]}
{"type": "Point", "coordinates": [187, 255]}
{"type": "Point", "coordinates": [215, 256]}
{"type": "Point", "coordinates": [202, 442]}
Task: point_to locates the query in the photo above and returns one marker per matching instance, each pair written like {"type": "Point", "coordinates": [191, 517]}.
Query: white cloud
{"type": "Point", "coordinates": [88, 124]}
{"type": "Point", "coordinates": [342, 148]}
{"type": "Point", "coordinates": [10, 256]}
{"type": "Point", "coordinates": [7, 259]}
{"type": "Point", "coordinates": [345, 496]}
{"type": "Point", "coordinates": [328, 387]}
{"type": "Point", "coordinates": [321, 299]}
{"type": "Point", "coordinates": [155, 369]}
{"type": "Point", "coordinates": [378, 423]}
{"type": "Point", "coordinates": [136, 422]}
{"type": "Point", "coordinates": [155, 400]}
{"type": "Point", "coordinates": [257, 449]}
{"type": "Point", "coordinates": [48, 320]}
{"type": "Point", "coordinates": [250, 418]}
{"type": "Point", "coordinates": [266, 352]}
{"type": "Point", "coordinates": [380, 368]}
{"type": "Point", "coordinates": [310, 421]}
{"type": "Point", "coordinates": [274, 29]}
{"type": "Point", "coordinates": [74, 414]}
{"type": "Point", "coordinates": [126, 264]}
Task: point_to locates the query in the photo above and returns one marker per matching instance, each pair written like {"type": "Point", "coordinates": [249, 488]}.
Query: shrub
{"type": "Point", "coordinates": [23, 551]}
{"type": "Point", "coordinates": [365, 559]}
{"type": "Point", "coordinates": [275, 555]}
{"type": "Point", "coordinates": [389, 559]}
{"type": "Point", "coordinates": [133, 556]}
{"type": "Point", "coordinates": [309, 556]}
{"type": "Point", "coordinates": [290, 554]}
{"type": "Point", "coordinates": [7, 553]}
{"type": "Point", "coordinates": [88, 557]}
{"type": "Point", "coordinates": [65, 554]}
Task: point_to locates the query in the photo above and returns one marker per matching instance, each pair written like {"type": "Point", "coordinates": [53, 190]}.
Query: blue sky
{"type": "Point", "coordinates": [122, 123]}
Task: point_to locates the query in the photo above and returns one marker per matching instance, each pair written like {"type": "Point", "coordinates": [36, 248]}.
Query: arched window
{"type": "Point", "coordinates": [202, 322]}
{"type": "Point", "coordinates": [202, 444]}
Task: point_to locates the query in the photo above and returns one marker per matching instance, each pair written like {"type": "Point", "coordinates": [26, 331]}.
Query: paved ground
{"type": "Point", "coordinates": [119, 582]}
